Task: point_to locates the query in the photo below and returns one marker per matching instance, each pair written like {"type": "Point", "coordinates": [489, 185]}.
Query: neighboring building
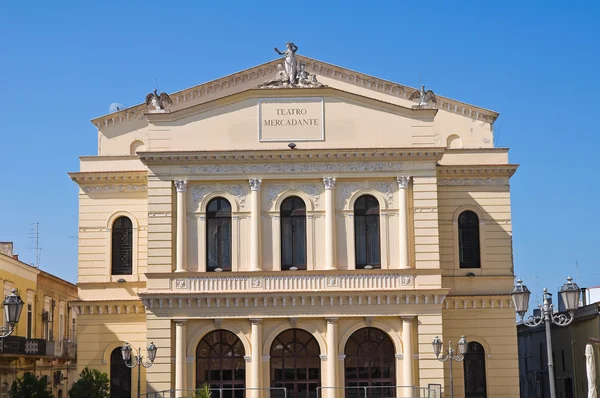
{"type": "Point", "coordinates": [300, 237]}
{"type": "Point", "coordinates": [44, 340]}
{"type": "Point", "coordinates": [568, 347]}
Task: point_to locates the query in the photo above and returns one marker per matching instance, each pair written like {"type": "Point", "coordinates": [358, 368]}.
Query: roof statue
{"type": "Point", "coordinates": [290, 73]}
{"type": "Point", "coordinates": [158, 100]}
{"type": "Point", "coordinates": [424, 96]}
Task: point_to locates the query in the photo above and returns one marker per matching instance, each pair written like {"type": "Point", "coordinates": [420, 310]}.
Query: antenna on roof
{"type": "Point", "coordinates": [35, 234]}
{"type": "Point", "coordinates": [157, 87]}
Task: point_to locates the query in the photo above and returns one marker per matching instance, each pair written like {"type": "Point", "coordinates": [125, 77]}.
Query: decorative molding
{"type": "Point", "coordinates": [473, 181]}
{"type": "Point", "coordinates": [88, 188]}
{"type": "Point", "coordinates": [125, 307]}
{"type": "Point", "coordinates": [477, 302]}
{"type": "Point", "coordinates": [180, 283]}
{"type": "Point", "coordinates": [505, 170]}
{"type": "Point", "coordinates": [329, 182]}
{"type": "Point", "coordinates": [273, 191]}
{"type": "Point", "coordinates": [255, 184]}
{"type": "Point", "coordinates": [251, 168]}
{"type": "Point", "coordinates": [406, 280]}
{"type": "Point", "coordinates": [386, 189]}
{"type": "Point", "coordinates": [238, 191]}
{"type": "Point", "coordinates": [313, 191]}
{"type": "Point", "coordinates": [180, 185]}
{"type": "Point", "coordinates": [403, 181]}
{"type": "Point", "coordinates": [346, 190]}
{"type": "Point", "coordinates": [200, 191]}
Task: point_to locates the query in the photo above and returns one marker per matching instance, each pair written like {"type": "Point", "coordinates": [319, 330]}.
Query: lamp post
{"type": "Point", "coordinates": [570, 294]}
{"type": "Point", "coordinates": [138, 360]}
{"type": "Point", "coordinates": [438, 346]}
{"type": "Point", "coordinates": [13, 305]}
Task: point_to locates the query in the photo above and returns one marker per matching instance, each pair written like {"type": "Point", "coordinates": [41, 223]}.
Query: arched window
{"type": "Point", "coordinates": [220, 363]}
{"type": "Point", "coordinates": [122, 246]}
{"type": "Point", "coordinates": [295, 363]}
{"type": "Point", "coordinates": [366, 232]}
{"type": "Point", "coordinates": [468, 240]}
{"type": "Point", "coordinates": [293, 234]}
{"type": "Point", "coordinates": [120, 375]}
{"type": "Point", "coordinates": [218, 235]}
{"type": "Point", "coordinates": [370, 362]}
{"type": "Point", "coordinates": [475, 384]}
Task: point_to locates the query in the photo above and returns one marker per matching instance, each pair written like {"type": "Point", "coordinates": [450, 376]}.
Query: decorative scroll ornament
{"type": "Point", "coordinates": [181, 185]}
{"type": "Point", "coordinates": [312, 190]}
{"type": "Point", "coordinates": [403, 182]}
{"type": "Point", "coordinates": [423, 96]}
{"type": "Point", "coordinates": [347, 190]}
{"type": "Point", "coordinates": [292, 167]}
{"type": "Point", "coordinates": [114, 188]}
{"type": "Point", "coordinates": [254, 184]}
{"type": "Point", "coordinates": [273, 192]}
{"type": "Point", "coordinates": [239, 193]}
{"type": "Point", "coordinates": [290, 74]}
{"type": "Point", "coordinates": [473, 181]}
{"type": "Point", "coordinates": [199, 192]}
{"type": "Point", "coordinates": [386, 190]}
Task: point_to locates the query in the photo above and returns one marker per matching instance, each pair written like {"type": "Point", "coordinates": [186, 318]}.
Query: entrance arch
{"type": "Point", "coordinates": [475, 377]}
{"type": "Point", "coordinates": [220, 363]}
{"type": "Point", "coordinates": [120, 375]}
{"type": "Point", "coordinates": [295, 363]}
{"type": "Point", "coordinates": [370, 362]}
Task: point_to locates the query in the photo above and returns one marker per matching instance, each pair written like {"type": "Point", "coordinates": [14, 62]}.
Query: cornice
{"type": "Point", "coordinates": [480, 170]}
{"type": "Point", "coordinates": [478, 302]}
{"type": "Point", "coordinates": [276, 156]}
{"type": "Point", "coordinates": [225, 86]}
{"type": "Point", "coordinates": [114, 181]}
{"type": "Point", "coordinates": [108, 307]}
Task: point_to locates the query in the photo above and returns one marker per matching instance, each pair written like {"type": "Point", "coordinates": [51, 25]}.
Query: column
{"type": "Point", "coordinates": [255, 224]}
{"type": "Point", "coordinates": [180, 357]}
{"type": "Point", "coordinates": [332, 358]}
{"type": "Point", "coordinates": [403, 221]}
{"type": "Point", "coordinates": [181, 187]}
{"type": "Point", "coordinates": [408, 360]}
{"type": "Point", "coordinates": [255, 362]}
{"type": "Point", "coordinates": [329, 183]}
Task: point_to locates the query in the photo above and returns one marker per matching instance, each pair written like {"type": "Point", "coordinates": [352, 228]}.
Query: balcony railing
{"type": "Point", "coordinates": [14, 345]}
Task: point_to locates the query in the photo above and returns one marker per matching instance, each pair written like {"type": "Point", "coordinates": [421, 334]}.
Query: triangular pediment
{"type": "Point", "coordinates": [334, 77]}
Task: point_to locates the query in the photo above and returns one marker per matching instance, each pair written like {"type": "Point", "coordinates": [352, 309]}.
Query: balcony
{"type": "Point", "coordinates": [63, 349]}
{"type": "Point", "coordinates": [21, 346]}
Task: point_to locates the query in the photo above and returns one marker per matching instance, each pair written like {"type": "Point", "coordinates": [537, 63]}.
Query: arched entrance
{"type": "Point", "coordinates": [370, 362]}
{"type": "Point", "coordinates": [475, 383]}
{"type": "Point", "coordinates": [295, 364]}
{"type": "Point", "coordinates": [220, 364]}
{"type": "Point", "coordinates": [120, 376]}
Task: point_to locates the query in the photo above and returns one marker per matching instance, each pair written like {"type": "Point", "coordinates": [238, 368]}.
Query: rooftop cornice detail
{"type": "Point", "coordinates": [478, 302]}
{"type": "Point", "coordinates": [226, 86]}
{"type": "Point", "coordinates": [109, 177]}
{"type": "Point", "coordinates": [350, 154]}
{"type": "Point", "coordinates": [110, 307]}
{"type": "Point", "coordinates": [506, 170]}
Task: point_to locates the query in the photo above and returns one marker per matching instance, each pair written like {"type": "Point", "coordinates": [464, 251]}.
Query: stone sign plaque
{"type": "Point", "coordinates": [291, 119]}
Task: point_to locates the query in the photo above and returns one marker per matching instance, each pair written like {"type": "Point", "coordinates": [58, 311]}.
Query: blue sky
{"type": "Point", "coordinates": [64, 63]}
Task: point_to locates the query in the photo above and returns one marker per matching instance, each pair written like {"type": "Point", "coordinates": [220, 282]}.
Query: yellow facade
{"type": "Point", "coordinates": [147, 234]}
{"type": "Point", "coordinates": [43, 341]}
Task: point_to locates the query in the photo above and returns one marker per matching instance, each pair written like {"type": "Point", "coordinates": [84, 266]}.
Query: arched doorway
{"type": "Point", "coordinates": [120, 376]}
{"type": "Point", "coordinates": [220, 364]}
{"type": "Point", "coordinates": [475, 383]}
{"type": "Point", "coordinates": [295, 364]}
{"type": "Point", "coordinates": [370, 362]}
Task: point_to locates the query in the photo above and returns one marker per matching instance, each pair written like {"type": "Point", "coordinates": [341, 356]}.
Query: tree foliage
{"type": "Point", "coordinates": [30, 386]}
{"type": "Point", "coordinates": [91, 384]}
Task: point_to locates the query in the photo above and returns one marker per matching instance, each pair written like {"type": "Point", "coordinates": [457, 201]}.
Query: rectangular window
{"type": "Point", "coordinates": [29, 320]}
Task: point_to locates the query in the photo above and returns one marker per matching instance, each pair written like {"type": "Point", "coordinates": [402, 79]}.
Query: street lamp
{"type": "Point", "coordinates": [138, 360]}
{"type": "Point", "coordinates": [438, 346]}
{"type": "Point", "coordinates": [13, 305]}
{"type": "Point", "coordinates": [570, 294]}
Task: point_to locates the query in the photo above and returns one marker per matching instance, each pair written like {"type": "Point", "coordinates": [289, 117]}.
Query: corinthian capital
{"type": "Point", "coordinates": [180, 185]}
{"type": "Point", "coordinates": [403, 182]}
{"type": "Point", "coordinates": [254, 184]}
{"type": "Point", "coordinates": [329, 182]}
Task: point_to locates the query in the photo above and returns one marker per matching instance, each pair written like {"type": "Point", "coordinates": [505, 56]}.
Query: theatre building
{"type": "Point", "coordinates": [298, 226]}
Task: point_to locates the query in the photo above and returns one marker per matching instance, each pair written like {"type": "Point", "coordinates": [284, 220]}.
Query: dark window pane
{"type": "Point", "coordinates": [122, 247]}
{"type": "Point", "coordinates": [370, 362]}
{"type": "Point", "coordinates": [474, 370]}
{"type": "Point", "coordinates": [293, 233]}
{"type": "Point", "coordinates": [295, 363]}
{"type": "Point", "coordinates": [468, 240]}
{"type": "Point", "coordinates": [366, 232]}
{"type": "Point", "coordinates": [220, 362]}
{"type": "Point", "coordinates": [218, 235]}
